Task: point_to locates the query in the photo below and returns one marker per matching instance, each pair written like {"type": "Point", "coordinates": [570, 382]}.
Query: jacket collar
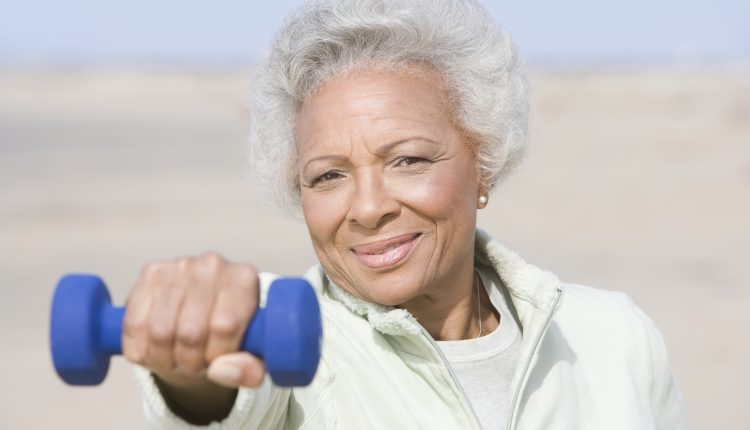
{"type": "Point", "coordinates": [530, 288]}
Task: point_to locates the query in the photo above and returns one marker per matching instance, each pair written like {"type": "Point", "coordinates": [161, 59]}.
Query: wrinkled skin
{"type": "Point", "coordinates": [381, 158]}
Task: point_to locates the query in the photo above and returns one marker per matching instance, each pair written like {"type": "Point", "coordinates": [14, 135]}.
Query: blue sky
{"type": "Point", "coordinates": [227, 32]}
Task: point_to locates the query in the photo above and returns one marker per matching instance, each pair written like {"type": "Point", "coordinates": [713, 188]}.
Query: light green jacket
{"type": "Point", "coordinates": [590, 359]}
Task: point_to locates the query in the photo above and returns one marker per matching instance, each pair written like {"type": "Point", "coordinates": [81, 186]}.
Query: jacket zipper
{"type": "Point", "coordinates": [527, 364]}
{"type": "Point", "coordinates": [436, 347]}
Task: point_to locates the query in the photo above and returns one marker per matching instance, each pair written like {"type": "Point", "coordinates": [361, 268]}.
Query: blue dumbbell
{"type": "Point", "coordinates": [85, 330]}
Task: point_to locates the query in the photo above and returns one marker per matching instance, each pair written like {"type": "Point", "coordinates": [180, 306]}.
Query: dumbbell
{"type": "Point", "coordinates": [86, 330]}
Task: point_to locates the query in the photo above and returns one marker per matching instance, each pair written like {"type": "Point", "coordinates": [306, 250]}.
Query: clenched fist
{"type": "Point", "coordinates": [185, 320]}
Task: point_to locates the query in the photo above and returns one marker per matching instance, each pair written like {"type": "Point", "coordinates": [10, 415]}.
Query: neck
{"type": "Point", "coordinates": [450, 313]}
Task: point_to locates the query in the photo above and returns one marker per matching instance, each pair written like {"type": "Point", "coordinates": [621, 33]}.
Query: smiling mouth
{"type": "Point", "coordinates": [386, 253]}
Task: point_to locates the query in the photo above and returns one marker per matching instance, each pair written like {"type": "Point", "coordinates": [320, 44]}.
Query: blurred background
{"type": "Point", "coordinates": [122, 139]}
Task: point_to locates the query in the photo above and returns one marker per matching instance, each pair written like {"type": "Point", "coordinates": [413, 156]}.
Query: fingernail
{"type": "Point", "coordinates": [225, 373]}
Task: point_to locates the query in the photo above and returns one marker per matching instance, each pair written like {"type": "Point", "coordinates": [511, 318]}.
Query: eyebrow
{"type": "Point", "coordinates": [388, 147]}
{"type": "Point", "coordinates": [380, 151]}
{"type": "Point", "coordinates": [324, 157]}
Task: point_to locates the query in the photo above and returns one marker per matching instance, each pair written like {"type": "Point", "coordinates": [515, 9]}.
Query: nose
{"type": "Point", "coordinates": [372, 203]}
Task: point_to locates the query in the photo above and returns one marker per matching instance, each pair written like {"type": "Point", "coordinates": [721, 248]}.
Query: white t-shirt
{"type": "Point", "coordinates": [485, 366]}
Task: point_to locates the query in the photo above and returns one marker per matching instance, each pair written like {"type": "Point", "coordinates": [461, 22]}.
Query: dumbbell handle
{"type": "Point", "coordinates": [110, 335]}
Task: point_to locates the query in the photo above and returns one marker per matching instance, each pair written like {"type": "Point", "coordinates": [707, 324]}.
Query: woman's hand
{"type": "Point", "coordinates": [185, 320]}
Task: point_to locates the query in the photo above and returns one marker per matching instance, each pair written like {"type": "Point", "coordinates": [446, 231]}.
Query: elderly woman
{"type": "Point", "coordinates": [389, 123]}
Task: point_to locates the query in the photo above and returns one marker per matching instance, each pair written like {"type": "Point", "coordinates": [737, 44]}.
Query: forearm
{"type": "Point", "coordinates": [264, 407]}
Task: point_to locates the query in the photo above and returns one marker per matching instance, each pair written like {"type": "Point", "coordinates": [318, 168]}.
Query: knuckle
{"type": "Point", "coordinates": [246, 275]}
{"type": "Point", "coordinates": [226, 325]}
{"type": "Point", "coordinates": [191, 335]}
{"type": "Point", "coordinates": [184, 264]}
{"type": "Point", "coordinates": [161, 332]}
{"type": "Point", "coordinates": [153, 269]}
{"type": "Point", "coordinates": [132, 326]}
{"type": "Point", "coordinates": [212, 260]}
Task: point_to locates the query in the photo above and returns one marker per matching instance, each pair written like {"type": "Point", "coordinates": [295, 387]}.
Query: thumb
{"type": "Point", "coordinates": [239, 369]}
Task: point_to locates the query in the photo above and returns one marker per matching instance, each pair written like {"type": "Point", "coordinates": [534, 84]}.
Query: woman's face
{"type": "Point", "coordinates": [389, 186]}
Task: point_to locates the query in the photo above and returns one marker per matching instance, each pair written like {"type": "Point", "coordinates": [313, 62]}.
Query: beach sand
{"type": "Point", "coordinates": [640, 182]}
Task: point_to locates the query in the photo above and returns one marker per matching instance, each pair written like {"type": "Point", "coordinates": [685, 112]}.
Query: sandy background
{"type": "Point", "coordinates": [640, 183]}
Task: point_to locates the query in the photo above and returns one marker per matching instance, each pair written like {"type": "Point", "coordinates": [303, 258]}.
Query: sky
{"type": "Point", "coordinates": [234, 32]}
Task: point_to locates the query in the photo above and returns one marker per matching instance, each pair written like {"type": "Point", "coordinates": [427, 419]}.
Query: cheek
{"type": "Point", "coordinates": [441, 193]}
{"type": "Point", "coordinates": [314, 217]}
{"type": "Point", "coordinates": [323, 215]}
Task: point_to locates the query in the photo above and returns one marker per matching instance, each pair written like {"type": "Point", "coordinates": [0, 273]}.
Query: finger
{"type": "Point", "coordinates": [235, 303]}
{"type": "Point", "coordinates": [192, 325]}
{"type": "Point", "coordinates": [239, 369]}
{"type": "Point", "coordinates": [167, 299]}
{"type": "Point", "coordinates": [137, 308]}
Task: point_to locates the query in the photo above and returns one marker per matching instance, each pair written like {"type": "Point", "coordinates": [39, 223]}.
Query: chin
{"type": "Point", "coordinates": [391, 292]}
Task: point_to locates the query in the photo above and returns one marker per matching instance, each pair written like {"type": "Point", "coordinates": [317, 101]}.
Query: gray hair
{"type": "Point", "coordinates": [325, 38]}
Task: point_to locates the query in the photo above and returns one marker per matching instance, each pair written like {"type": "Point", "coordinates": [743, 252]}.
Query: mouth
{"type": "Point", "coordinates": [386, 253]}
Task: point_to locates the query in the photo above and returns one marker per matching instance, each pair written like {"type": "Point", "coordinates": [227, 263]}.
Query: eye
{"type": "Point", "coordinates": [328, 176]}
{"type": "Point", "coordinates": [409, 161]}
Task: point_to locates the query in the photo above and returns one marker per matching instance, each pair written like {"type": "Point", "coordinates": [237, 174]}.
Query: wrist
{"type": "Point", "coordinates": [196, 400]}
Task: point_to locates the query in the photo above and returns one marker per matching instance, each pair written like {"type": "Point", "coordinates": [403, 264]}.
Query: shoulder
{"type": "Point", "coordinates": [582, 295]}
{"type": "Point", "coordinates": [608, 335]}
{"type": "Point", "coordinates": [602, 314]}
{"type": "Point", "coordinates": [584, 305]}
{"type": "Point", "coordinates": [601, 333]}
{"type": "Point", "coordinates": [608, 328]}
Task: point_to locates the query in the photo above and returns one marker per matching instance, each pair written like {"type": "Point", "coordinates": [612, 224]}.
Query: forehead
{"type": "Point", "coordinates": [367, 105]}
{"type": "Point", "coordinates": [411, 81]}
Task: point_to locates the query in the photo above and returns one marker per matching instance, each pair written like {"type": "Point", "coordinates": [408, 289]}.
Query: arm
{"type": "Point", "coordinates": [666, 401]}
{"type": "Point", "coordinates": [183, 325]}
{"type": "Point", "coordinates": [263, 407]}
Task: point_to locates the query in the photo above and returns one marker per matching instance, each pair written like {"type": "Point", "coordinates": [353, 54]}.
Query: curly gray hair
{"type": "Point", "coordinates": [326, 38]}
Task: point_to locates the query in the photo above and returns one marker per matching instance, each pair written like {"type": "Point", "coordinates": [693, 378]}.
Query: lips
{"type": "Point", "coordinates": [385, 253]}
